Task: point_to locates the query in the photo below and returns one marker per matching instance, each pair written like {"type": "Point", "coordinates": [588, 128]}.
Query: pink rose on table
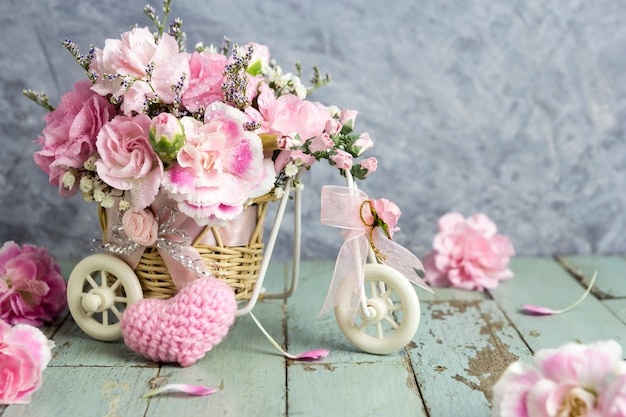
{"type": "Point", "coordinates": [32, 289]}
{"type": "Point", "coordinates": [468, 254]}
{"type": "Point", "coordinates": [220, 167]}
{"type": "Point", "coordinates": [127, 160]}
{"type": "Point", "coordinates": [205, 80]}
{"type": "Point", "coordinates": [24, 354]}
{"type": "Point", "coordinates": [69, 137]}
{"type": "Point", "coordinates": [140, 226]}
{"type": "Point", "coordinates": [573, 380]}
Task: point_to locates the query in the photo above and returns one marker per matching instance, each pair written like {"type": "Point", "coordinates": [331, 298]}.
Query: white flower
{"type": "Point", "coordinates": [335, 111]}
{"type": "Point", "coordinates": [291, 170]}
{"type": "Point", "coordinates": [98, 195]}
{"type": "Point", "coordinates": [107, 201]}
{"type": "Point", "coordinates": [69, 180]}
{"type": "Point", "coordinates": [279, 192]}
{"type": "Point", "coordinates": [90, 163]}
{"type": "Point", "coordinates": [86, 184]}
{"type": "Point", "coordinates": [124, 205]}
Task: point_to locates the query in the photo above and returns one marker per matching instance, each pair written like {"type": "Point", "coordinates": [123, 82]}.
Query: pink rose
{"type": "Point", "coordinates": [369, 164]}
{"type": "Point", "coordinates": [129, 57]}
{"type": "Point", "coordinates": [388, 214]}
{"type": "Point", "coordinates": [140, 226]}
{"type": "Point", "coordinates": [24, 354]}
{"type": "Point", "coordinates": [32, 289]}
{"type": "Point", "coordinates": [322, 142]}
{"type": "Point", "coordinates": [288, 114]}
{"type": "Point", "coordinates": [205, 80]}
{"type": "Point", "coordinates": [468, 254]}
{"type": "Point", "coordinates": [220, 167]}
{"type": "Point", "coordinates": [573, 380]}
{"type": "Point", "coordinates": [342, 159]}
{"type": "Point", "coordinates": [127, 160]}
{"type": "Point", "coordinates": [362, 144]}
{"type": "Point", "coordinates": [69, 137]}
{"type": "Point", "coordinates": [348, 117]}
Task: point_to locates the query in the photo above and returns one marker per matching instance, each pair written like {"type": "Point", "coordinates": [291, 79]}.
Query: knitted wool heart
{"type": "Point", "coordinates": [183, 328]}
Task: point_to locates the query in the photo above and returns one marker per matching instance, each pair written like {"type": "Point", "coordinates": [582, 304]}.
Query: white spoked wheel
{"type": "Point", "coordinates": [394, 312]}
{"type": "Point", "coordinates": [99, 288]}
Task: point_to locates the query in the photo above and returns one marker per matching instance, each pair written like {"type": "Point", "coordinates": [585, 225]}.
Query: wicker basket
{"type": "Point", "coordinates": [237, 266]}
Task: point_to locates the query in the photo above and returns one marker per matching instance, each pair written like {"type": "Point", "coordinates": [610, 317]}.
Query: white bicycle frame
{"type": "Point", "coordinates": [297, 231]}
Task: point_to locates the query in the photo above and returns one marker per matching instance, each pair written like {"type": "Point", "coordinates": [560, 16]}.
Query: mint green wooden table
{"type": "Point", "coordinates": [464, 342]}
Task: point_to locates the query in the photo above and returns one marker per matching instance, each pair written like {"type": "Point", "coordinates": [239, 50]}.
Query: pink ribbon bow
{"type": "Point", "coordinates": [173, 243]}
{"type": "Point", "coordinates": [341, 207]}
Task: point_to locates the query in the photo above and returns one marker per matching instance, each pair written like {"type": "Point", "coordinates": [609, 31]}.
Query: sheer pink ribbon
{"type": "Point", "coordinates": [341, 207]}
{"type": "Point", "coordinates": [175, 235]}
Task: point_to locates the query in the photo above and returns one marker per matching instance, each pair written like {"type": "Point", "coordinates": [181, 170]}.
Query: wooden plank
{"type": "Point", "coordinates": [618, 307]}
{"type": "Point", "coordinates": [353, 389]}
{"type": "Point", "coordinates": [543, 281]}
{"type": "Point", "coordinates": [611, 280]}
{"type": "Point", "coordinates": [463, 350]}
{"type": "Point", "coordinates": [75, 348]}
{"type": "Point", "coordinates": [307, 330]}
{"type": "Point", "coordinates": [88, 391]}
{"type": "Point", "coordinates": [244, 365]}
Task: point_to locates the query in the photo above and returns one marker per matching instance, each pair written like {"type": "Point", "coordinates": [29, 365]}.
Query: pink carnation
{"type": "Point", "coordinates": [69, 137]}
{"type": "Point", "coordinates": [127, 160]}
{"type": "Point", "coordinates": [32, 289]}
{"type": "Point", "coordinates": [219, 168]}
{"type": "Point", "coordinates": [388, 213]}
{"type": "Point", "coordinates": [126, 60]}
{"type": "Point", "coordinates": [468, 254]}
{"type": "Point", "coordinates": [574, 380]}
{"type": "Point", "coordinates": [205, 80]}
{"type": "Point", "coordinates": [24, 354]}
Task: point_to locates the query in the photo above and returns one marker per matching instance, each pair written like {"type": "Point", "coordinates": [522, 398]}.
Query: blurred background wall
{"type": "Point", "coordinates": [515, 109]}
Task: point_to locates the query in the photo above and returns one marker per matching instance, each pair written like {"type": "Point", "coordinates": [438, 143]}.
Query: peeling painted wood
{"type": "Point", "coordinates": [353, 389]}
{"type": "Point", "coordinates": [464, 350]}
{"type": "Point", "coordinates": [464, 342]}
{"type": "Point", "coordinates": [543, 281]}
{"type": "Point", "coordinates": [248, 372]}
{"type": "Point", "coordinates": [611, 280]}
{"type": "Point", "coordinates": [88, 391]}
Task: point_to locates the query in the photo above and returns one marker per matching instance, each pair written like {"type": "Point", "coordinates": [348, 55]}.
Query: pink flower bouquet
{"type": "Point", "coordinates": [468, 254]}
{"type": "Point", "coordinates": [152, 119]}
{"type": "Point", "coordinates": [32, 289]}
{"type": "Point", "coordinates": [24, 354]}
{"type": "Point", "coordinates": [573, 380]}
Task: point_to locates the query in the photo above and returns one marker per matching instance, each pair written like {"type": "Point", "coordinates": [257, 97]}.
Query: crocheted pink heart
{"type": "Point", "coordinates": [183, 328]}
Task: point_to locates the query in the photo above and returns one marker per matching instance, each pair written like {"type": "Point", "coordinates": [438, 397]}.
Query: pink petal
{"type": "Point", "coordinates": [312, 354]}
{"type": "Point", "coordinates": [538, 310]}
{"type": "Point", "coordinates": [197, 390]}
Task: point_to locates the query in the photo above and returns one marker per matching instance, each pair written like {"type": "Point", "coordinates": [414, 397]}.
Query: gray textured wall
{"type": "Point", "coordinates": [515, 109]}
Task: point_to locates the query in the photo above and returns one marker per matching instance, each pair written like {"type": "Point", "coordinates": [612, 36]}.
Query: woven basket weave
{"type": "Point", "coordinates": [237, 266]}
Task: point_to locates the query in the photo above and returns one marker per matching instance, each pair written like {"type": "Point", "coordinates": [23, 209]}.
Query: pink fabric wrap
{"type": "Point", "coordinates": [183, 261]}
{"type": "Point", "coordinates": [340, 207]}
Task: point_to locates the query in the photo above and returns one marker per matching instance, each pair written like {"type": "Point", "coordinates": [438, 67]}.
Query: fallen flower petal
{"type": "Point", "coordinates": [309, 355]}
{"type": "Point", "coordinates": [547, 311]}
{"type": "Point", "coordinates": [312, 354]}
{"type": "Point", "coordinates": [197, 390]}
